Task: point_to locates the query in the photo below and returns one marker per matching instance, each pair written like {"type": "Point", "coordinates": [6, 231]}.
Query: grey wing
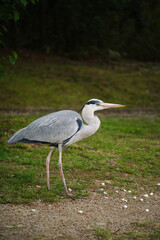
{"type": "Point", "coordinates": [53, 128]}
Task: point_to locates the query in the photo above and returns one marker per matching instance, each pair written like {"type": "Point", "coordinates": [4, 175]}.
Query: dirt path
{"type": "Point", "coordinates": [127, 112]}
{"type": "Point", "coordinates": [70, 219]}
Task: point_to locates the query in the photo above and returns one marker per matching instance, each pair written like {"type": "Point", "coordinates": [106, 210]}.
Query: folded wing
{"type": "Point", "coordinates": [52, 129]}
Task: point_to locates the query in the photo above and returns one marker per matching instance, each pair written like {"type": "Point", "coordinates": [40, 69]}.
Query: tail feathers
{"type": "Point", "coordinates": [16, 137]}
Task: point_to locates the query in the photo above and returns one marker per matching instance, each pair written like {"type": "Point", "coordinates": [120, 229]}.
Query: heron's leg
{"type": "Point", "coordinates": [47, 167]}
{"type": "Point", "coordinates": [61, 171]}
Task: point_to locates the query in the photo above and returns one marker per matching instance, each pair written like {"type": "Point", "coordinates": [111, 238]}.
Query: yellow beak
{"type": "Point", "coordinates": [111, 105]}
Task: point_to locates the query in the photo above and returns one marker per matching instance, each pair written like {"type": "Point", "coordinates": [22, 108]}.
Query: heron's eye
{"type": "Point", "coordinates": [98, 104]}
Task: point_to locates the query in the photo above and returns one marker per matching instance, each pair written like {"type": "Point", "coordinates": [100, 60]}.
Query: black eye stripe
{"type": "Point", "coordinates": [93, 102]}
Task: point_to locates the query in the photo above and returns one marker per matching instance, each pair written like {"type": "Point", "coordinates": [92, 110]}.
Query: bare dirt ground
{"type": "Point", "coordinates": [77, 219]}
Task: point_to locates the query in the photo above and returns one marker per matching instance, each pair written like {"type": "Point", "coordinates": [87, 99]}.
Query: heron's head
{"type": "Point", "coordinates": [97, 105]}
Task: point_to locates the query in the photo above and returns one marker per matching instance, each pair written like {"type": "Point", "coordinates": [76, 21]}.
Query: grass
{"type": "Point", "coordinates": [58, 84]}
{"type": "Point", "coordinates": [140, 230]}
{"type": "Point", "coordinates": [125, 151]}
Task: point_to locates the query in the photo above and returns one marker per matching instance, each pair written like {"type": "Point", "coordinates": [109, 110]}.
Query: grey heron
{"type": "Point", "coordinates": [61, 129]}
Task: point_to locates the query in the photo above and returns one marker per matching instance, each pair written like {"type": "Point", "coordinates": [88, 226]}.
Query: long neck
{"type": "Point", "coordinates": [93, 122]}
{"type": "Point", "coordinates": [92, 126]}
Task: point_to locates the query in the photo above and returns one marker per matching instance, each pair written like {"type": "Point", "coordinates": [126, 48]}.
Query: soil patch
{"type": "Point", "coordinates": [77, 219]}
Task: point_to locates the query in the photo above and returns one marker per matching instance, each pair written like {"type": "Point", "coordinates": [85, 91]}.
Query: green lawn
{"type": "Point", "coordinates": [65, 84]}
{"type": "Point", "coordinates": [125, 150]}
{"type": "Point", "coordinates": [141, 231]}
{"type": "Point", "coordinates": [124, 153]}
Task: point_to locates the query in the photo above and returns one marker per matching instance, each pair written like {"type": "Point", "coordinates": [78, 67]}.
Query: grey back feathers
{"type": "Point", "coordinates": [52, 129]}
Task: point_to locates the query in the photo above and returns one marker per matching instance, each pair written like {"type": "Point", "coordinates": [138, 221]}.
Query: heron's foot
{"type": "Point", "coordinates": [70, 195]}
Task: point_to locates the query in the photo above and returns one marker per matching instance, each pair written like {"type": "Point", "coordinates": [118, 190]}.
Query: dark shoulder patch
{"type": "Point", "coordinates": [79, 121]}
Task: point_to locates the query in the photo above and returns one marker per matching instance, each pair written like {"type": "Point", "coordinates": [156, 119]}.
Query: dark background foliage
{"type": "Point", "coordinates": [106, 29]}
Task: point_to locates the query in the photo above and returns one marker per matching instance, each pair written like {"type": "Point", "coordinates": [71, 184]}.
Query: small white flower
{"type": "Point", "coordinates": [101, 189]}
{"type": "Point", "coordinates": [147, 210]}
{"type": "Point", "coordinates": [141, 199]}
{"type": "Point", "coordinates": [158, 184]}
{"type": "Point", "coordinates": [151, 193]}
{"type": "Point", "coordinates": [69, 189]}
{"type": "Point", "coordinates": [124, 200]}
{"type": "Point", "coordinates": [80, 211]}
{"type": "Point", "coordinates": [129, 191]}
{"type": "Point", "coordinates": [145, 195]}
{"type": "Point", "coordinates": [125, 206]}
{"type": "Point", "coordinates": [124, 190]}
{"type": "Point", "coordinates": [105, 193]}
{"type": "Point", "coordinates": [103, 184]}
{"type": "Point", "coordinates": [134, 197]}
{"type": "Point", "coordinates": [117, 191]}
{"type": "Point", "coordinates": [33, 210]}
